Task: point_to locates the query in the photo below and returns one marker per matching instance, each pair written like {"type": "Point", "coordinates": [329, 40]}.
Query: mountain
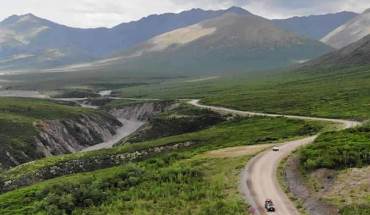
{"type": "Point", "coordinates": [228, 43]}
{"type": "Point", "coordinates": [139, 31]}
{"type": "Point", "coordinates": [350, 32]}
{"type": "Point", "coordinates": [316, 26]}
{"type": "Point", "coordinates": [357, 53]}
{"type": "Point", "coordinates": [28, 41]}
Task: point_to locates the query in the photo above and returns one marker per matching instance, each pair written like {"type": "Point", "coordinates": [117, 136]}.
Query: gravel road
{"type": "Point", "coordinates": [259, 178]}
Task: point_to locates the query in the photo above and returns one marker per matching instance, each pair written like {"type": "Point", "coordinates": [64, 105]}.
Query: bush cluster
{"type": "Point", "coordinates": [64, 198]}
{"type": "Point", "coordinates": [338, 150]}
{"type": "Point", "coordinates": [180, 121]}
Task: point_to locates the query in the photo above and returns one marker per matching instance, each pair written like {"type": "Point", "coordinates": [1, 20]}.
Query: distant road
{"type": "Point", "coordinates": [259, 178]}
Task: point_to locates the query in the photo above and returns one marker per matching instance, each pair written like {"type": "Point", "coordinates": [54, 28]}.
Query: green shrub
{"type": "Point", "coordinates": [64, 198]}
{"type": "Point", "coordinates": [338, 150]}
{"type": "Point", "coordinates": [183, 119]}
{"type": "Point", "coordinates": [355, 210]}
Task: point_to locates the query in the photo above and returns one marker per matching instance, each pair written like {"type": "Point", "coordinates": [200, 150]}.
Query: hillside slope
{"type": "Point", "coordinates": [357, 53]}
{"type": "Point", "coordinates": [315, 26]}
{"type": "Point", "coordinates": [30, 41]}
{"type": "Point", "coordinates": [224, 44]}
{"type": "Point", "coordinates": [31, 129]}
{"type": "Point", "coordinates": [350, 32]}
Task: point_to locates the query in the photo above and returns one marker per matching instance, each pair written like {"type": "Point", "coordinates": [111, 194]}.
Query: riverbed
{"type": "Point", "coordinates": [129, 127]}
{"type": "Point", "coordinates": [22, 94]}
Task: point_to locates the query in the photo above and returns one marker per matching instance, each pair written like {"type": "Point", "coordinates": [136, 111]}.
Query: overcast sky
{"type": "Point", "coordinates": [97, 13]}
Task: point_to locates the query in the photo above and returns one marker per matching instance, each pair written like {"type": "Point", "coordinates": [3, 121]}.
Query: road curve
{"type": "Point", "coordinates": [259, 178]}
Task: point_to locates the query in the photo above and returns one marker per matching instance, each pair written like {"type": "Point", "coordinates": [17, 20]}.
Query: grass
{"type": "Point", "coordinates": [181, 182]}
{"type": "Point", "coordinates": [177, 183]}
{"type": "Point", "coordinates": [351, 189]}
{"type": "Point", "coordinates": [346, 154]}
{"type": "Point", "coordinates": [182, 119]}
{"type": "Point", "coordinates": [338, 150]}
{"type": "Point", "coordinates": [341, 93]}
{"type": "Point", "coordinates": [335, 93]}
{"type": "Point", "coordinates": [39, 109]}
{"type": "Point", "coordinates": [240, 132]}
{"type": "Point", "coordinates": [348, 190]}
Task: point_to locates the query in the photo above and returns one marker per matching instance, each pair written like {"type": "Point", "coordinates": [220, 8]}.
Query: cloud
{"type": "Point", "coordinates": [288, 8]}
{"type": "Point", "coordinates": [96, 13]}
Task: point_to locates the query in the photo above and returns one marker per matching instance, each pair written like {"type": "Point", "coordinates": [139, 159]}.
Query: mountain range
{"type": "Point", "coordinates": [28, 41]}
{"type": "Point", "coordinates": [228, 43]}
{"type": "Point", "coordinates": [350, 32]}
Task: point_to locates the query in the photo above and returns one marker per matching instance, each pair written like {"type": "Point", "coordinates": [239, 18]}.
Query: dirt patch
{"type": "Point", "coordinates": [322, 179]}
{"type": "Point", "coordinates": [180, 37]}
{"type": "Point", "coordinates": [351, 186]}
{"type": "Point", "coordinates": [297, 186]}
{"type": "Point", "coordinates": [237, 151]}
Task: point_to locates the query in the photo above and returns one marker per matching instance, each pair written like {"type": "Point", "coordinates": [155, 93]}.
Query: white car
{"type": "Point", "coordinates": [275, 149]}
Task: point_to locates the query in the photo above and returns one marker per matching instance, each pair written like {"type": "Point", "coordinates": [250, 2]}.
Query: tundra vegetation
{"type": "Point", "coordinates": [336, 92]}
{"type": "Point", "coordinates": [187, 180]}
{"type": "Point", "coordinates": [180, 182]}
{"type": "Point", "coordinates": [341, 92]}
{"type": "Point", "coordinates": [344, 156]}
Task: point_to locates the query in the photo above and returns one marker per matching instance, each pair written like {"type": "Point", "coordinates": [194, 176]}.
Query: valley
{"type": "Point", "coordinates": [197, 112]}
{"type": "Point", "coordinates": [205, 140]}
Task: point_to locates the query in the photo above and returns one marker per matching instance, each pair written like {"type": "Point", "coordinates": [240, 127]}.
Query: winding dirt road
{"type": "Point", "coordinates": [259, 178]}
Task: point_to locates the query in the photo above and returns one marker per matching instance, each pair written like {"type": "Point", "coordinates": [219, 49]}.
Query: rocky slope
{"type": "Point", "coordinates": [56, 137]}
{"type": "Point", "coordinates": [142, 111]}
{"type": "Point", "coordinates": [350, 32]}
{"type": "Point", "coordinates": [133, 117]}
{"type": "Point", "coordinates": [357, 53]}
{"type": "Point", "coordinates": [60, 137]}
{"type": "Point", "coordinates": [65, 136]}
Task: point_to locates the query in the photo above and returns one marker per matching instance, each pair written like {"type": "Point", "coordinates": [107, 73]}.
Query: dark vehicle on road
{"type": "Point", "coordinates": [269, 205]}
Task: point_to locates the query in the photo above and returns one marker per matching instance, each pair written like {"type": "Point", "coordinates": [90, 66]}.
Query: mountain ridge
{"type": "Point", "coordinates": [59, 45]}
{"type": "Point", "coordinates": [77, 45]}
{"type": "Point", "coordinates": [350, 32]}
{"type": "Point", "coordinates": [315, 26]}
{"type": "Point", "coordinates": [227, 43]}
